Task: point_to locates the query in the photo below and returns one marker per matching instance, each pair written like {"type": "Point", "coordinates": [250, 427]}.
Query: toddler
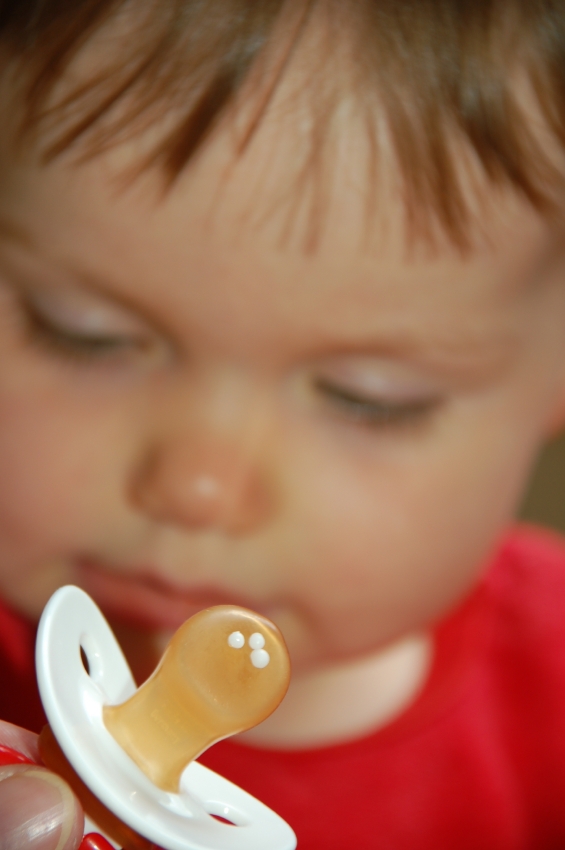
{"type": "Point", "coordinates": [282, 324]}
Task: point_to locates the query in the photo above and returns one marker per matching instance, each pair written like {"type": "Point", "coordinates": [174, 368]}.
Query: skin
{"type": "Point", "coordinates": [194, 408]}
{"type": "Point", "coordinates": [38, 808]}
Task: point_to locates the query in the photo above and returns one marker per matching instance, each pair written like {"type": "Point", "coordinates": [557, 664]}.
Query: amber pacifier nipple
{"type": "Point", "coordinates": [225, 670]}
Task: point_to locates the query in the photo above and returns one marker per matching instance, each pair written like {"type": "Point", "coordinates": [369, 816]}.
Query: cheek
{"type": "Point", "coordinates": [54, 462]}
{"type": "Point", "coordinates": [394, 537]}
{"type": "Point", "coordinates": [60, 491]}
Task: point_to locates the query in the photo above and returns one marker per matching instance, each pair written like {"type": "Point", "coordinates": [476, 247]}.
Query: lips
{"type": "Point", "coordinates": [141, 599]}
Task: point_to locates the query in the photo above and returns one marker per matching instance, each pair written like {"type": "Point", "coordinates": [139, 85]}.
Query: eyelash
{"type": "Point", "coordinates": [377, 413]}
{"type": "Point", "coordinates": [70, 345]}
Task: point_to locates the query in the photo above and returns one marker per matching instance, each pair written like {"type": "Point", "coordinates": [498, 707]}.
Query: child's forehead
{"type": "Point", "coordinates": [227, 216]}
{"type": "Point", "coordinates": [264, 198]}
{"type": "Point", "coordinates": [289, 190]}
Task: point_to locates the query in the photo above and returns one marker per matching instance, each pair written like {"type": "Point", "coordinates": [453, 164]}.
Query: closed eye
{"type": "Point", "coordinates": [377, 411]}
{"type": "Point", "coordinates": [79, 344]}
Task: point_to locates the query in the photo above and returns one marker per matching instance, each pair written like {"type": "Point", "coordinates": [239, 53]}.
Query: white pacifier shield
{"type": "Point", "coordinates": [73, 701]}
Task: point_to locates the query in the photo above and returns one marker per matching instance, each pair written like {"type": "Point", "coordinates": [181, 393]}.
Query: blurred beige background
{"type": "Point", "coordinates": [545, 500]}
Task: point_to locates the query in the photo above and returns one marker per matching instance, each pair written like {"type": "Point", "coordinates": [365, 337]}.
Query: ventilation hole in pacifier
{"type": "Point", "coordinates": [84, 659]}
{"type": "Point", "coordinates": [222, 820]}
{"type": "Point", "coordinates": [226, 814]}
{"type": "Point", "coordinates": [91, 658]}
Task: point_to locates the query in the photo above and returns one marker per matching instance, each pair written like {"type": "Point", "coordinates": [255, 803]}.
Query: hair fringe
{"type": "Point", "coordinates": [440, 71]}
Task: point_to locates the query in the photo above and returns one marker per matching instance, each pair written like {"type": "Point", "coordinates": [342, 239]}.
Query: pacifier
{"type": "Point", "coordinates": [129, 753]}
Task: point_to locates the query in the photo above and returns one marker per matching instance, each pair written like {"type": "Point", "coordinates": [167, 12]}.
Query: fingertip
{"type": "Point", "coordinates": [19, 739]}
{"type": "Point", "coordinates": [38, 810]}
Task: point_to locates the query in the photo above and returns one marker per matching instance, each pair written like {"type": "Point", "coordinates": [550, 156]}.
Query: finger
{"type": "Point", "coordinates": [19, 739]}
{"type": "Point", "coordinates": [38, 810]}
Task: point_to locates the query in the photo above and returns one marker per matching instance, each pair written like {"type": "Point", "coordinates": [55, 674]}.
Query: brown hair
{"type": "Point", "coordinates": [435, 69]}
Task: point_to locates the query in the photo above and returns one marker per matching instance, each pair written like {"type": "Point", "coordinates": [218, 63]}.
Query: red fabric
{"type": "Point", "coordinates": [477, 762]}
{"type": "Point", "coordinates": [19, 697]}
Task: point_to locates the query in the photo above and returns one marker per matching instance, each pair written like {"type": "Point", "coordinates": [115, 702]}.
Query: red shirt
{"type": "Point", "coordinates": [478, 761]}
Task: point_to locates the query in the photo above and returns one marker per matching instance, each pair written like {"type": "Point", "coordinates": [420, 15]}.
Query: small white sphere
{"type": "Point", "coordinates": [256, 641]}
{"type": "Point", "coordinates": [260, 658]}
{"type": "Point", "coordinates": [236, 640]}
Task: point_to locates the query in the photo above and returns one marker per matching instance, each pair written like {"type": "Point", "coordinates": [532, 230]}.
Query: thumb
{"type": "Point", "coordinates": [38, 810]}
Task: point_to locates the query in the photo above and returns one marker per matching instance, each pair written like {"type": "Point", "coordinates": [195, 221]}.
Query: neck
{"type": "Point", "coordinates": [347, 700]}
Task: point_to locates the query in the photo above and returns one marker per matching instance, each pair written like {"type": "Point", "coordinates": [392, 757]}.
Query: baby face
{"type": "Point", "coordinates": [196, 410]}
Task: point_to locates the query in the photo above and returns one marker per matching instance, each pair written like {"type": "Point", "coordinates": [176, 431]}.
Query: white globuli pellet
{"type": "Point", "coordinates": [260, 658]}
{"type": "Point", "coordinates": [256, 641]}
{"type": "Point", "coordinates": [236, 640]}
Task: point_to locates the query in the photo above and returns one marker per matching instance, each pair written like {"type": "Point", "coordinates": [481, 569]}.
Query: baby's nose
{"type": "Point", "coordinates": [203, 485]}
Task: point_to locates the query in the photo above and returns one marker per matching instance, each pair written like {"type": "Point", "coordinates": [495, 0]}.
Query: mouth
{"type": "Point", "coordinates": [142, 599]}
